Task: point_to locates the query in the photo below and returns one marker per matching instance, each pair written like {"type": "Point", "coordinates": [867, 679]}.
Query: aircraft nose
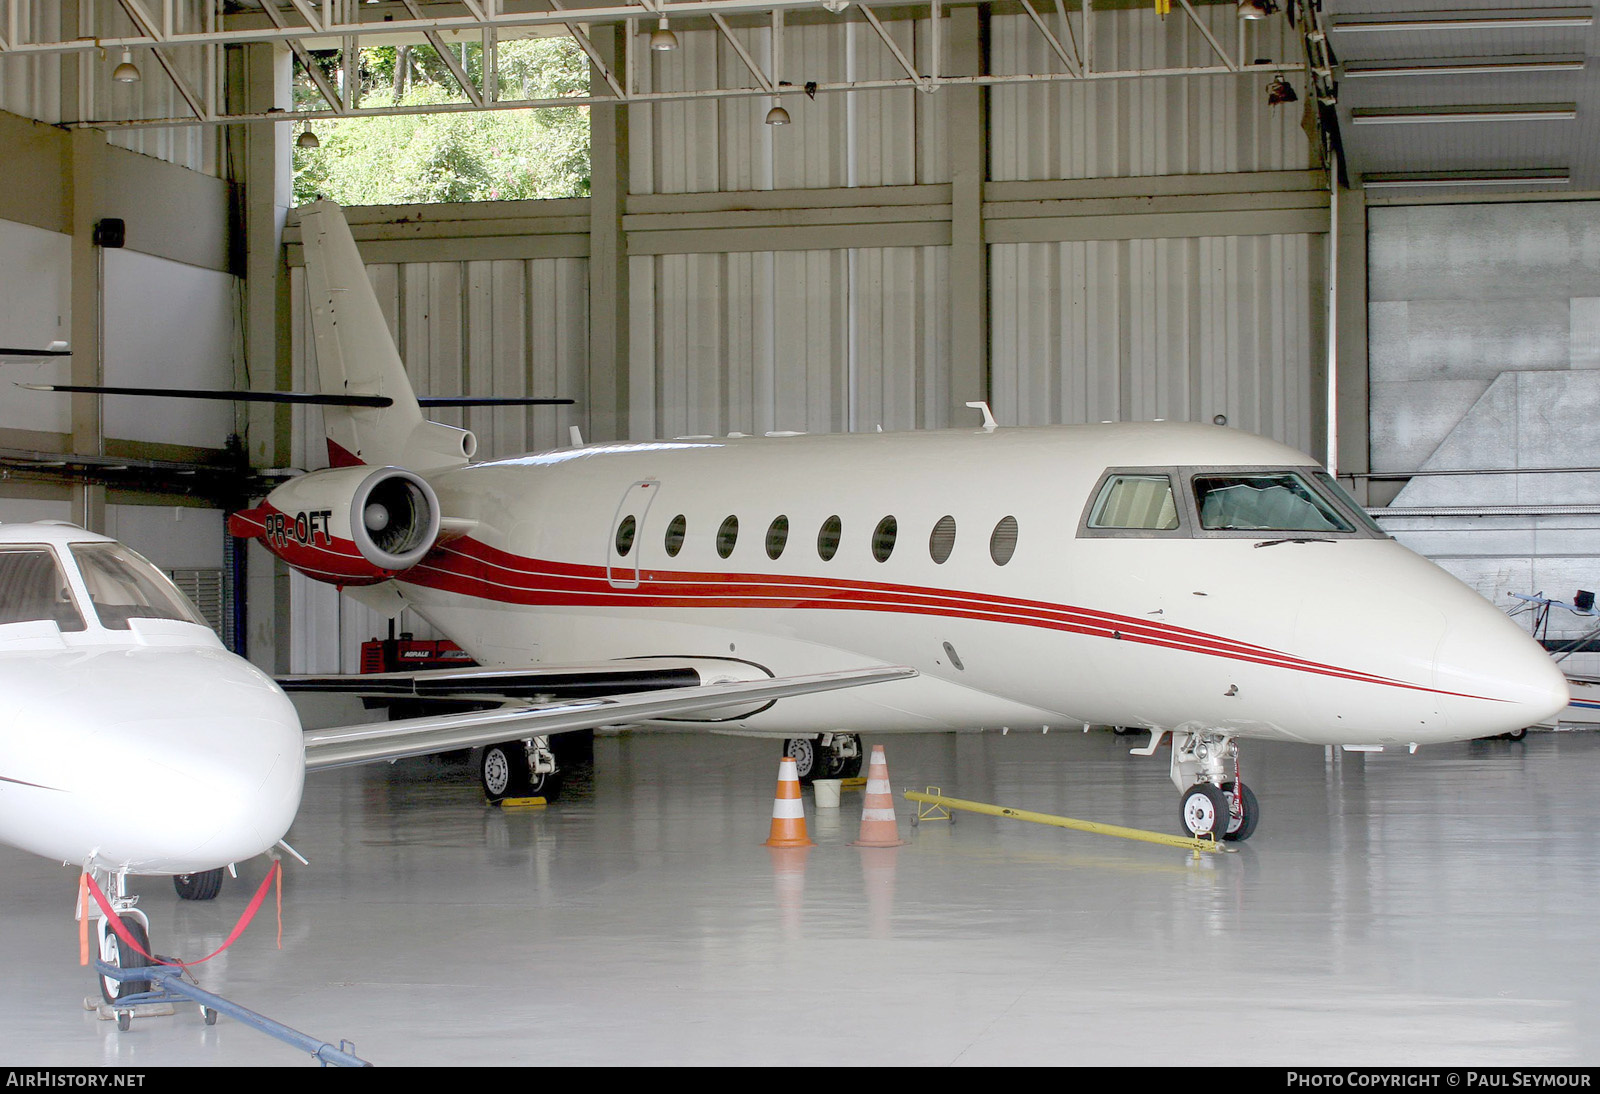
{"type": "Point", "coordinates": [1486, 655]}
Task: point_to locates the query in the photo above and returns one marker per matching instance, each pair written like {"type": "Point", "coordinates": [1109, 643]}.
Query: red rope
{"type": "Point", "coordinates": [238, 929]}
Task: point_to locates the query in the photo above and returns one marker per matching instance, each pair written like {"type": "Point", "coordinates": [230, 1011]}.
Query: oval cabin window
{"type": "Point", "coordinates": [727, 536]}
{"type": "Point", "coordinates": [943, 540]}
{"type": "Point", "coordinates": [675, 530]}
{"type": "Point", "coordinates": [777, 537]}
{"type": "Point", "coordinates": [1003, 542]}
{"type": "Point", "coordinates": [883, 539]}
{"type": "Point", "coordinates": [625, 532]}
{"type": "Point", "coordinates": [828, 538]}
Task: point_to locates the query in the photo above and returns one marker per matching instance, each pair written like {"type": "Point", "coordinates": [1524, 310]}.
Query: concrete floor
{"type": "Point", "coordinates": [1392, 909]}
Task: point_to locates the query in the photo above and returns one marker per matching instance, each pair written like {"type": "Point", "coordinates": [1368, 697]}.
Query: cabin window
{"type": "Point", "coordinates": [883, 539]}
{"type": "Point", "coordinates": [943, 540]}
{"type": "Point", "coordinates": [123, 585]}
{"type": "Point", "coordinates": [1135, 501]}
{"type": "Point", "coordinates": [777, 536]}
{"type": "Point", "coordinates": [828, 538]}
{"type": "Point", "coordinates": [1003, 541]}
{"type": "Point", "coordinates": [727, 536]}
{"type": "Point", "coordinates": [1274, 501]}
{"type": "Point", "coordinates": [675, 531]}
{"type": "Point", "coordinates": [33, 588]}
{"type": "Point", "coordinates": [625, 532]}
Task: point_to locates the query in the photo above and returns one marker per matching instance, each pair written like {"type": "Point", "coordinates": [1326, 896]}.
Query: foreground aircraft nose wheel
{"type": "Point", "coordinates": [1204, 811]}
{"type": "Point", "coordinates": [118, 954]}
{"type": "Point", "coordinates": [506, 774]}
{"type": "Point", "coordinates": [202, 886]}
{"type": "Point", "coordinates": [1243, 825]}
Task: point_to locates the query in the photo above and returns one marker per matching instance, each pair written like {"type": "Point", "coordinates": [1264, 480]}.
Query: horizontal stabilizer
{"type": "Point", "coordinates": [346, 745]}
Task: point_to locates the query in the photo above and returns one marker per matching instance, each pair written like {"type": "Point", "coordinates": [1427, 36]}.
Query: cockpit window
{"type": "Point", "coordinates": [1330, 485]}
{"type": "Point", "coordinates": [1276, 501]}
{"type": "Point", "coordinates": [1135, 501]}
{"type": "Point", "coordinates": [33, 588]}
{"type": "Point", "coordinates": [123, 585]}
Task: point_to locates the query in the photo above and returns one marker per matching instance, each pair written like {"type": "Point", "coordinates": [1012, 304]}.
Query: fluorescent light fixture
{"type": "Point", "coordinates": [1526, 19]}
{"type": "Point", "coordinates": [1393, 180]}
{"type": "Point", "coordinates": [1466, 66]}
{"type": "Point", "coordinates": [1413, 115]}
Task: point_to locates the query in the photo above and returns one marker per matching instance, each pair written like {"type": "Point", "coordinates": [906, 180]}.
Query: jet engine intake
{"type": "Point", "coordinates": [394, 518]}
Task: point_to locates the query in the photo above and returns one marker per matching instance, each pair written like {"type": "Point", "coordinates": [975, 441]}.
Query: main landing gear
{"type": "Point", "coordinates": [1216, 803]}
{"type": "Point", "coordinates": [520, 769]}
{"type": "Point", "coordinates": [202, 886]}
{"type": "Point", "coordinates": [829, 756]}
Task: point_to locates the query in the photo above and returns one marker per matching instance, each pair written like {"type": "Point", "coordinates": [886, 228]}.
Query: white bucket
{"type": "Point", "coordinates": [827, 792]}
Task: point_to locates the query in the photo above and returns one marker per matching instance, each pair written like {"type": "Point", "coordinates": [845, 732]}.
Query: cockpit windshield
{"type": "Point", "coordinates": [123, 585]}
{"type": "Point", "coordinates": [33, 588]}
{"type": "Point", "coordinates": [1275, 501]}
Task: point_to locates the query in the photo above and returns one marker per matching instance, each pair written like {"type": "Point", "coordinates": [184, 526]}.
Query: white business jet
{"type": "Point", "coordinates": [132, 742]}
{"type": "Point", "coordinates": [1192, 580]}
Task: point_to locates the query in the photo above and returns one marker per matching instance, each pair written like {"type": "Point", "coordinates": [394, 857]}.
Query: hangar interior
{"type": "Point", "coordinates": [1368, 230]}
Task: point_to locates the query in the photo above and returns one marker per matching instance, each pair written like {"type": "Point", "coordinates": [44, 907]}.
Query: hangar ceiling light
{"type": "Point", "coordinates": [126, 71]}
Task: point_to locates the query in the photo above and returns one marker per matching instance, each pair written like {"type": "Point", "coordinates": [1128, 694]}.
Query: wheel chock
{"type": "Point", "coordinates": [522, 803]}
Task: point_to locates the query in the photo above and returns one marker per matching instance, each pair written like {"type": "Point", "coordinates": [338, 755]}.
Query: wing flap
{"type": "Point", "coordinates": [343, 746]}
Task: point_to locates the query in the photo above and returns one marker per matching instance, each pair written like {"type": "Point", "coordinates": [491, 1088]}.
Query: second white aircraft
{"type": "Point", "coordinates": [1191, 580]}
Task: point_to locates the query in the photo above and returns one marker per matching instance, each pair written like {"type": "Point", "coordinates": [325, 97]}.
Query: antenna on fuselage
{"type": "Point", "coordinates": [989, 424]}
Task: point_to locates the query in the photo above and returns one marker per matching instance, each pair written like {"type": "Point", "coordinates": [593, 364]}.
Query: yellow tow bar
{"type": "Point", "coordinates": [939, 801]}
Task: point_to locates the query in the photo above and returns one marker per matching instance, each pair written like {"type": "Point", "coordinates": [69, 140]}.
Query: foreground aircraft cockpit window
{"type": "Point", "coordinates": [1276, 501]}
{"type": "Point", "coordinates": [33, 588]}
{"type": "Point", "coordinates": [123, 585]}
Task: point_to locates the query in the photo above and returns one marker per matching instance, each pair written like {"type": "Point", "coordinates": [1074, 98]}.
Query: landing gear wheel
{"type": "Point", "coordinates": [202, 886]}
{"type": "Point", "coordinates": [118, 954]}
{"type": "Point", "coordinates": [1517, 734]}
{"type": "Point", "coordinates": [1243, 826]}
{"type": "Point", "coordinates": [506, 774]}
{"type": "Point", "coordinates": [836, 766]}
{"type": "Point", "coordinates": [806, 754]}
{"type": "Point", "coordinates": [1203, 810]}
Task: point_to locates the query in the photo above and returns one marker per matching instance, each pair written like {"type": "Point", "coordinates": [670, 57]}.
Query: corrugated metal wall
{"type": "Point", "coordinates": [868, 138]}
{"type": "Point", "coordinates": [820, 341]}
{"type": "Point", "coordinates": [32, 85]}
{"type": "Point", "coordinates": [518, 327]}
{"type": "Point", "coordinates": [1117, 128]}
{"type": "Point", "coordinates": [1126, 330]}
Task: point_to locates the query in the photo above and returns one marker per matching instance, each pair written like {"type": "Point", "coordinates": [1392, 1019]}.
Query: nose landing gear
{"type": "Point", "coordinates": [1212, 803]}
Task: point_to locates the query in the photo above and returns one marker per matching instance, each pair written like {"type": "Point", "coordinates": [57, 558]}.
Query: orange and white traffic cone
{"type": "Point", "coordinates": [878, 826]}
{"type": "Point", "coordinates": [788, 811]}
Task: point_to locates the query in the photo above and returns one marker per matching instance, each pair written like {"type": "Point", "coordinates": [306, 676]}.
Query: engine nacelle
{"type": "Point", "coordinates": [347, 525]}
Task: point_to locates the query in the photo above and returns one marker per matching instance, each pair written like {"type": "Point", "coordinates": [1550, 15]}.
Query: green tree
{"type": "Point", "coordinates": [457, 155]}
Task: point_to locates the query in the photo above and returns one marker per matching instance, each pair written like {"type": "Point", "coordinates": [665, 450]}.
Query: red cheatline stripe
{"type": "Point", "coordinates": [470, 568]}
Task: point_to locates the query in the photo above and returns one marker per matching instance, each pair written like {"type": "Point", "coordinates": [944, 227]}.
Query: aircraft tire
{"type": "Point", "coordinates": [202, 886]}
{"type": "Point", "coordinates": [1202, 807]}
{"type": "Point", "coordinates": [1250, 814]}
{"type": "Point", "coordinates": [806, 753]}
{"type": "Point", "coordinates": [1517, 734]}
{"type": "Point", "coordinates": [504, 772]}
{"type": "Point", "coordinates": [118, 954]}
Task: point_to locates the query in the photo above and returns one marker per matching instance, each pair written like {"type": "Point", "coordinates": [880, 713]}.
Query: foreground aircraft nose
{"type": "Point", "coordinates": [182, 759]}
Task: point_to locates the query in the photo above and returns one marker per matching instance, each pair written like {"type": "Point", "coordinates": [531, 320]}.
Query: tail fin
{"type": "Point", "coordinates": [356, 355]}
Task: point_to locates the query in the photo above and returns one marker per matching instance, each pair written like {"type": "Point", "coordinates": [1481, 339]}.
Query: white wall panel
{"type": "Point", "coordinates": [1130, 330]}
{"type": "Point", "coordinates": [35, 310]}
{"type": "Point", "coordinates": [866, 138]}
{"type": "Point", "coordinates": [819, 341]}
{"type": "Point", "coordinates": [168, 324]}
{"type": "Point", "coordinates": [1116, 128]}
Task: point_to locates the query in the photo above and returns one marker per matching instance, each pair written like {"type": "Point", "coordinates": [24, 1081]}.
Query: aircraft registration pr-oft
{"type": "Point", "coordinates": [1187, 579]}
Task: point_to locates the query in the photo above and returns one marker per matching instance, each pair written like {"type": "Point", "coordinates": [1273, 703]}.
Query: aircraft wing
{"type": "Point", "coordinates": [543, 683]}
{"type": "Point", "coordinates": [346, 745]}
